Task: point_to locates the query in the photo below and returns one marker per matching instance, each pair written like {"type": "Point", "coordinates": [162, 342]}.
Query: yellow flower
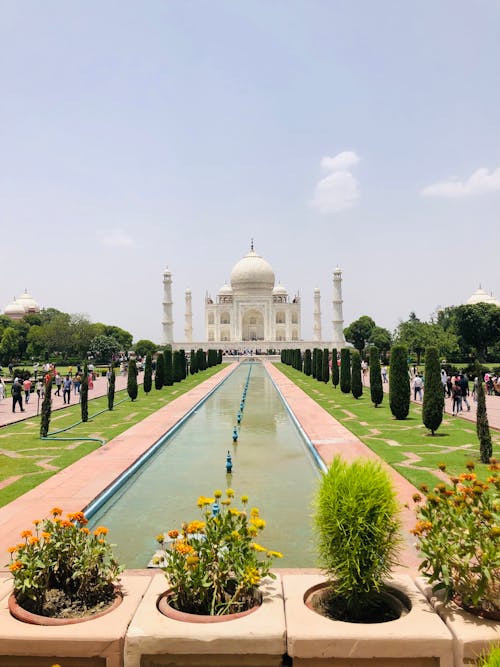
{"type": "Point", "coordinates": [183, 548]}
{"type": "Point", "coordinates": [160, 538]}
{"type": "Point", "coordinates": [230, 493]}
{"type": "Point", "coordinates": [251, 576]}
{"type": "Point", "coordinates": [234, 511]}
{"type": "Point", "coordinates": [218, 493]}
{"type": "Point", "coordinates": [235, 535]}
{"type": "Point", "coordinates": [254, 511]}
{"type": "Point", "coordinates": [195, 527]}
{"type": "Point", "coordinates": [191, 561]}
{"type": "Point", "coordinates": [101, 530]}
{"type": "Point", "coordinates": [252, 531]}
{"type": "Point", "coordinates": [421, 527]}
{"type": "Point", "coordinates": [244, 499]}
{"type": "Point", "coordinates": [274, 554]}
{"type": "Point", "coordinates": [257, 547]}
{"type": "Point", "coordinates": [258, 523]}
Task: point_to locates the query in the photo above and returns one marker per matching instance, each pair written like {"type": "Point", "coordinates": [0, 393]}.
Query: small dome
{"type": "Point", "coordinates": [14, 310]}
{"type": "Point", "coordinates": [279, 290]}
{"type": "Point", "coordinates": [225, 289]}
{"type": "Point", "coordinates": [251, 274]}
{"type": "Point", "coordinates": [28, 303]}
{"type": "Point", "coordinates": [481, 296]}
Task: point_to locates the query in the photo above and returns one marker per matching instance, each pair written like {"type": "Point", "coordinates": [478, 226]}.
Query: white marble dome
{"type": "Point", "coordinates": [251, 274]}
{"type": "Point", "coordinates": [481, 296]}
{"type": "Point", "coordinates": [225, 290]}
{"type": "Point", "coordinates": [279, 290]}
{"type": "Point", "coordinates": [28, 303]}
{"type": "Point", "coordinates": [14, 310]}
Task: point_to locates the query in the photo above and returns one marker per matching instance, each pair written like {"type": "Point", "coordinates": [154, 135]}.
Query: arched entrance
{"type": "Point", "coordinates": [252, 325]}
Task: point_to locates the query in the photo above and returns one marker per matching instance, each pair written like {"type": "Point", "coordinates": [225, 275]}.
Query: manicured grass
{"type": "Point", "coordinates": [23, 454]}
{"type": "Point", "coordinates": [399, 443]}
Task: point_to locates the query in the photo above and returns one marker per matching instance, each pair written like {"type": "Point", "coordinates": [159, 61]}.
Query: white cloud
{"type": "Point", "coordinates": [339, 189]}
{"type": "Point", "coordinates": [115, 237]}
{"type": "Point", "coordinates": [481, 182]}
{"type": "Point", "coordinates": [342, 161]}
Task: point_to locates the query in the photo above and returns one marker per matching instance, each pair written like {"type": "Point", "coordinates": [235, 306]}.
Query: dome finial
{"type": "Point", "coordinates": [251, 244]}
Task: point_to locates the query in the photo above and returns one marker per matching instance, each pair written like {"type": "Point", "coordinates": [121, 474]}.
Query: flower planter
{"type": "Point", "coordinates": [167, 610]}
{"type": "Point", "coordinates": [96, 643]}
{"type": "Point", "coordinates": [472, 635]}
{"type": "Point", "coordinates": [417, 639]}
{"type": "Point", "coordinates": [255, 640]}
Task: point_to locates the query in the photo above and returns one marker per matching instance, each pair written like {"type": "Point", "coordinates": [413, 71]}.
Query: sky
{"type": "Point", "coordinates": [136, 136]}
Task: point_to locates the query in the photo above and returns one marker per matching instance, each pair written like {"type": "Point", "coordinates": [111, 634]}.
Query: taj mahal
{"type": "Point", "coordinates": [254, 312]}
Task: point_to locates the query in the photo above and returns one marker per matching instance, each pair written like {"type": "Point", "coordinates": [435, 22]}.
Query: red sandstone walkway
{"type": "Point", "coordinates": [33, 408]}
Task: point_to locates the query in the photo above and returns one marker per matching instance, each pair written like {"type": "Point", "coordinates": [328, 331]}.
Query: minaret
{"type": "Point", "coordinates": [167, 322]}
{"type": "Point", "coordinates": [188, 319]}
{"type": "Point", "coordinates": [338, 318]}
{"type": "Point", "coordinates": [317, 315]}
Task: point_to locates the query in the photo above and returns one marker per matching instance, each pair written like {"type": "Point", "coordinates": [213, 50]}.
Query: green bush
{"type": "Point", "coordinates": [376, 389]}
{"type": "Point", "coordinates": [168, 368]}
{"type": "Point", "coordinates": [111, 389]}
{"type": "Point", "coordinates": [356, 383]}
{"type": "Point", "coordinates": [160, 370]}
{"type": "Point", "coordinates": [46, 409]}
{"type": "Point", "coordinates": [357, 530]}
{"type": "Point", "coordinates": [132, 388]}
{"type": "Point", "coordinates": [335, 368]}
{"type": "Point", "coordinates": [84, 394]}
{"type": "Point", "coordinates": [491, 659]}
{"type": "Point", "coordinates": [399, 384]}
{"type": "Point", "coordinates": [433, 405]}
{"type": "Point", "coordinates": [345, 371]}
{"type": "Point", "coordinates": [148, 375]}
{"type": "Point", "coordinates": [482, 426]}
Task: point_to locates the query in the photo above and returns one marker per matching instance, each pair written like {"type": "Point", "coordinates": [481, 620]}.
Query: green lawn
{"type": "Point", "coordinates": [400, 443]}
{"type": "Point", "coordinates": [24, 455]}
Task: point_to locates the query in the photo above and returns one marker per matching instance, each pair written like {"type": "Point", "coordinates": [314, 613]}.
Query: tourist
{"type": "Point", "coordinates": [67, 389]}
{"type": "Point", "coordinates": [456, 397]}
{"type": "Point", "coordinates": [27, 390]}
{"type": "Point", "coordinates": [11, 368]}
{"type": "Point", "coordinates": [384, 373]}
{"type": "Point", "coordinates": [77, 383]}
{"type": "Point", "coordinates": [35, 370]}
{"type": "Point", "coordinates": [444, 380]}
{"type": "Point", "coordinates": [2, 390]}
{"type": "Point", "coordinates": [90, 380]}
{"type": "Point", "coordinates": [58, 381]}
{"type": "Point", "coordinates": [39, 389]}
{"type": "Point", "coordinates": [17, 396]}
{"type": "Point", "coordinates": [464, 386]}
{"type": "Point", "coordinates": [418, 383]}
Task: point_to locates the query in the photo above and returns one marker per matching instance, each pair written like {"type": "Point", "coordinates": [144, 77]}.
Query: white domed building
{"type": "Point", "coordinates": [24, 305]}
{"type": "Point", "coordinates": [481, 296]}
{"type": "Point", "coordinates": [252, 308]}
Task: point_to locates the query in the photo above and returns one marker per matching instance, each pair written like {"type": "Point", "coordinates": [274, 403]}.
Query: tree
{"type": "Point", "coordinates": [144, 347]}
{"type": "Point", "coordinates": [314, 362]}
{"type": "Point", "coordinates": [345, 370]}
{"type": "Point", "coordinates": [84, 394]}
{"type": "Point", "coordinates": [111, 388]}
{"type": "Point", "coordinates": [382, 339]}
{"type": "Point", "coordinates": [36, 341]}
{"type": "Point", "coordinates": [8, 345]}
{"type": "Point", "coordinates": [177, 366]}
{"type": "Point", "coordinates": [413, 334]}
{"type": "Point", "coordinates": [359, 331]}
{"type": "Point", "coordinates": [183, 364]}
{"type": "Point", "coordinates": [168, 368]}
{"type": "Point", "coordinates": [335, 368]}
{"type": "Point", "coordinates": [148, 375]}
{"type": "Point", "coordinates": [46, 409]}
{"type": "Point", "coordinates": [193, 368]}
{"type": "Point", "coordinates": [356, 383]}
{"type": "Point", "coordinates": [103, 348]}
{"type": "Point", "coordinates": [479, 326]}
{"type": "Point", "coordinates": [307, 362]}
{"type": "Point", "coordinates": [399, 386]}
{"type": "Point", "coordinates": [160, 371]}
{"type": "Point", "coordinates": [319, 365]}
{"type": "Point", "coordinates": [325, 366]}
{"type": "Point", "coordinates": [201, 359]}
{"type": "Point", "coordinates": [123, 337]}
{"type": "Point", "coordinates": [376, 389]}
{"type": "Point", "coordinates": [482, 426]}
{"type": "Point", "coordinates": [433, 405]}
{"type": "Point", "coordinates": [132, 389]}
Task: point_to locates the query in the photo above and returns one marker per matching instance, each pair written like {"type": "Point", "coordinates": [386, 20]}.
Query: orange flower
{"type": "Point", "coordinates": [15, 566]}
{"type": "Point", "coordinates": [66, 524]}
{"type": "Point", "coordinates": [56, 511]}
{"type": "Point", "coordinates": [26, 533]}
{"type": "Point", "coordinates": [183, 548]}
{"type": "Point", "coordinates": [174, 534]}
{"type": "Point", "coordinates": [85, 530]}
{"type": "Point", "coordinates": [34, 540]}
{"type": "Point", "coordinates": [46, 536]}
{"type": "Point", "coordinates": [100, 530]}
{"type": "Point", "coordinates": [36, 522]}
{"type": "Point", "coordinates": [11, 550]}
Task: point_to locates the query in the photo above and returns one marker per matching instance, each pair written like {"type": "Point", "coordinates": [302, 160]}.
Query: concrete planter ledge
{"type": "Point", "coordinates": [471, 635]}
{"type": "Point", "coordinates": [95, 643]}
{"type": "Point", "coordinates": [419, 639]}
{"type": "Point", "coordinates": [256, 640]}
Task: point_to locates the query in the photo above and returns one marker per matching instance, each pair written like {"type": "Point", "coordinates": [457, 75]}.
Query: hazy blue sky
{"type": "Point", "coordinates": [140, 135]}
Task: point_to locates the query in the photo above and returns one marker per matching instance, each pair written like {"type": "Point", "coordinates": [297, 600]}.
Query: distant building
{"type": "Point", "coordinates": [24, 305]}
{"type": "Point", "coordinates": [480, 296]}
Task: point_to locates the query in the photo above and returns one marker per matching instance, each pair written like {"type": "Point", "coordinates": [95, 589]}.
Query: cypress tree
{"type": "Point", "coordinates": [313, 362]}
{"type": "Point", "coordinates": [482, 426]}
{"type": "Point", "coordinates": [345, 370]}
{"type": "Point", "coordinates": [177, 366]}
{"type": "Point", "coordinates": [46, 409]}
{"type": "Point", "coordinates": [399, 385]}
{"type": "Point", "coordinates": [84, 394]}
{"type": "Point", "coordinates": [335, 368]}
{"type": "Point", "coordinates": [193, 368]}
{"type": "Point", "coordinates": [326, 366]}
{"type": "Point", "coordinates": [298, 358]}
{"type": "Point", "coordinates": [168, 370]}
{"type": "Point", "coordinates": [433, 404]}
{"type": "Point", "coordinates": [132, 379]}
{"type": "Point", "coordinates": [356, 382]}
{"type": "Point", "coordinates": [307, 362]}
{"type": "Point", "coordinates": [111, 388]}
{"type": "Point", "coordinates": [319, 365]}
{"type": "Point", "coordinates": [219, 358]}
{"type": "Point", "coordinates": [201, 359]}
{"type": "Point", "coordinates": [376, 389]}
{"type": "Point", "coordinates": [182, 364]}
{"type": "Point", "coordinates": [148, 375]}
{"type": "Point", "coordinates": [160, 370]}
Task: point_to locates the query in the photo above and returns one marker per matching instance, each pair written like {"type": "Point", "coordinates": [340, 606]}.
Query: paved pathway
{"type": "Point", "coordinates": [34, 406]}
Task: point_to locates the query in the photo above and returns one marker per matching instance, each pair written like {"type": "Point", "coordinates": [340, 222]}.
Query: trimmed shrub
{"type": "Point", "coordinates": [307, 362]}
{"type": "Point", "coordinates": [148, 375]}
{"type": "Point", "coordinates": [84, 394]}
{"type": "Point", "coordinates": [160, 370]}
{"type": "Point", "coordinates": [183, 364]}
{"type": "Point", "coordinates": [177, 366]}
{"type": "Point", "coordinates": [399, 385]}
{"type": "Point", "coordinates": [345, 370]}
{"type": "Point", "coordinates": [168, 369]}
{"type": "Point", "coordinates": [326, 366]}
{"type": "Point", "coordinates": [433, 405]}
{"type": "Point", "coordinates": [319, 365]}
{"type": "Point", "coordinates": [111, 389]}
{"type": "Point", "coordinates": [46, 409]}
{"type": "Point", "coordinates": [335, 368]}
{"type": "Point", "coordinates": [376, 389]}
{"type": "Point", "coordinates": [132, 388]}
{"type": "Point", "coordinates": [356, 382]}
{"type": "Point", "coordinates": [482, 426]}
{"type": "Point", "coordinates": [193, 368]}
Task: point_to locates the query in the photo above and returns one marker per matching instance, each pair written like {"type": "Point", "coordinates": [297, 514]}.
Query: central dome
{"type": "Point", "coordinates": [251, 274]}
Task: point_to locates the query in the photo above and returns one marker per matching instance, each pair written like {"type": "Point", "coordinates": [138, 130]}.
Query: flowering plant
{"type": "Point", "coordinates": [458, 529]}
{"type": "Point", "coordinates": [212, 564]}
{"type": "Point", "coordinates": [63, 569]}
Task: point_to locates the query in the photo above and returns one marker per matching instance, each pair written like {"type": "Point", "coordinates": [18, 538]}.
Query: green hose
{"type": "Point", "coordinates": [67, 428]}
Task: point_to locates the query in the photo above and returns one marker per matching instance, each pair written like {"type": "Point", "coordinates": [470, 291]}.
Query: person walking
{"type": "Point", "coordinates": [2, 389]}
{"type": "Point", "coordinates": [39, 388]}
{"type": "Point", "coordinates": [418, 383]}
{"type": "Point", "coordinates": [384, 374]}
{"type": "Point", "coordinates": [456, 397]}
{"type": "Point", "coordinates": [58, 381]}
{"type": "Point", "coordinates": [464, 386]}
{"type": "Point", "coordinates": [17, 395]}
{"type": "Point", "coordinates": [27, 390]}
{"type": "Point", "coordinates": [77, 383]}
{"type": "Point", "coordinates": [67, 389]}
{"type": "Point", "coordinates": [35, 370]}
